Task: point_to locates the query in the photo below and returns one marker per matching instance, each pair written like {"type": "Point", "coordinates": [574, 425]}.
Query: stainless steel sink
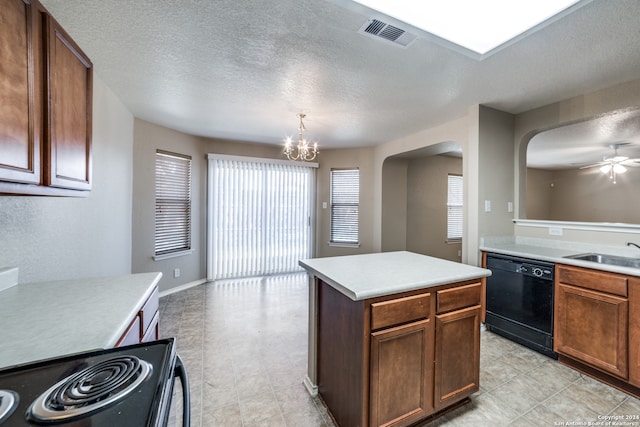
{"type": "Point", "coordinates": [608, 259]}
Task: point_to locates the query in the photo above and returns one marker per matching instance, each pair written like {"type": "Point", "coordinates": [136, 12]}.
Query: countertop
{"type": "Point", "coordinates": [379, 274]}
{"type": "Point", "coordinates": [50, 319]}
{"type": "Point", "coordinates": [556, 250]}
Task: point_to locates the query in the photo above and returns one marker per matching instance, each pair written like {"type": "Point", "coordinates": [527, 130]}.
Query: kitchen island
{"type": "Point", "coordinates": [394, 338]}
{"type": "Point", "coordinates": [50, 319]}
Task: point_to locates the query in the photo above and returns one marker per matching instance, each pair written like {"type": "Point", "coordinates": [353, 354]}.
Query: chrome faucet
{"type": "Point", "coordinates": [633, 244]}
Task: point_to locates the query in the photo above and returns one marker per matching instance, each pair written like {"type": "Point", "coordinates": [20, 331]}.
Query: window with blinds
{"type": "Point", "coordinates": [173, 203]}
{"type": "Point", "coordinates": [454, 208]}
{"type": "Point", "coordinates": [345, 199]}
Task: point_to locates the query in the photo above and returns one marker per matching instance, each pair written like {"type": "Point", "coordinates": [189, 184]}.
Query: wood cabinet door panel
{"type": "Point", "coordinates": [401, 374]}
{"type": "Point", "coordinates": [70, 86]}
{"type": "Point", "coordinates": [592, 327]}
{"type": "Point", "coordinates": [20, 117]}
{"type": "Point", "coordinates": [457, 360]}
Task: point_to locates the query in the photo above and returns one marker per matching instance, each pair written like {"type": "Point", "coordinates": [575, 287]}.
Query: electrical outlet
{"type": "Point", "coordinates": [176, 272]}
{"type": "Point", "coordinates": [555, 231]}
{"type": "Point", "coordinates": [510, 207]}
{"type": "Point", "coordinates": [487, 205]}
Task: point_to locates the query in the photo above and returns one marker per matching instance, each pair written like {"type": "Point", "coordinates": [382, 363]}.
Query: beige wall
{"type": "Point", "coordinates": [394, 205]}
{"type": "Point", "coordinates": [54, 238]}
{"type": "Point", "coordinates": [581, 108]}
{"type": "Point", "coordinates": [462, 131]}
{"type": "Point", "coordinates": [363, 159]}
{"type": "Point", "coordinates": [584, 195]}
{"type": "Point", "coordinates": [427, 185]}
{"type": "Point", "coordinates": [539, 183]}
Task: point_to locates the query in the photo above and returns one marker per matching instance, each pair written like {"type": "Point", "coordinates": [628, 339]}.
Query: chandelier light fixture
{"type": "Point", "coordinates": [302, 151]}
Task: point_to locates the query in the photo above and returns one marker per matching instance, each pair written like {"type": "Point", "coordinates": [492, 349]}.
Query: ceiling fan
{"type": "Point", "coordinates": [614, 165]}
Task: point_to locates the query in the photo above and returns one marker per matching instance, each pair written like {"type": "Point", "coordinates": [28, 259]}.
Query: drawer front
{"type": "Point", "coordinates": [589, 279]}
{"type": "Point", "coordinates": [132, 334]}
{"type": "Point", "coordinates": [398, 311]}
{"type": "Point", "coordinates": [149, 310]}
{"type": "Point", "coordinates": [152, 333]}
{"type": "Point", "coordinates": [460, 297]}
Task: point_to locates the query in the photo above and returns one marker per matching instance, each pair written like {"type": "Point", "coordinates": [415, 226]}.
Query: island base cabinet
{"type": "Point", "coordinates": [401, 374]}
{"type": "Point", "coordinates": [399, 359]}
{"type": "Point", "coordinates": [457, 359]}
{"type": "Point", "coordinates": [144, 326]}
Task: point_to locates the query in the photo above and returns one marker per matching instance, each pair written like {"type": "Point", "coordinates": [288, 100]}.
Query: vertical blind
{"type": "Point", "coordinates": [173, 203]}
{"type": "Point", "coordinates": [259, 217]}
{"type": "Point", "coordinates": [345, 198]}
{"type": "Point", "coordinates": [454, 208]}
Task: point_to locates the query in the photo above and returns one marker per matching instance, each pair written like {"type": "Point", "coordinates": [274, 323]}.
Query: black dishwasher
{"type": "Point", "coordinates": [520, 301]}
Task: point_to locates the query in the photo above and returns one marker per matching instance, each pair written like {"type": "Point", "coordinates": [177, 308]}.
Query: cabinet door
{"type": "Point", "coordinates": [591, 327]}
{"type": "Point", "coordinates": [69, 83]}
{"type": "Point", "coordinates": [634, 331]}
{"type": "Point", "coordinates": [457, 367]}
{"type": "Point", "coordinates": [401, 389]}
{"type": "Point", "coordinates": [20, 87]}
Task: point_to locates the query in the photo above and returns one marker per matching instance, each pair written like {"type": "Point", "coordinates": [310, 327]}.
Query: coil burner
{"type": "Point", "coordinates": [90, 390]}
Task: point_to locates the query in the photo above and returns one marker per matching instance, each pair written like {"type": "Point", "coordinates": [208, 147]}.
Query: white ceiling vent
{"type": "Point", "coordinates": [379, 29]}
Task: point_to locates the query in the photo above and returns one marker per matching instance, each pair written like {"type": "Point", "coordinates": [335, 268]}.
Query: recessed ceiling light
{"type": "Point", "coordinates": [480, 26]}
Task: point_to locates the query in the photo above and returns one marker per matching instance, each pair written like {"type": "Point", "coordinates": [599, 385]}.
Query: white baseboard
{"type": "Point", "coordinates": [310, 386]}
{"type": "Point", "coordinates": [182, 287]}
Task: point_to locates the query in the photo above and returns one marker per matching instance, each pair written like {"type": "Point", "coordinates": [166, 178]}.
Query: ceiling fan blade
{"type": "Point", "coordinates": [616, 159]}
{"type": "Point", "coordinates": [634, 163]}
{"type": "Point", "coordinates": [593, 165]}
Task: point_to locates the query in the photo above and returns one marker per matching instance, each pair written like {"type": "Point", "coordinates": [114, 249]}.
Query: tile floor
{"type": "Point", "coordinates": [244, 343]}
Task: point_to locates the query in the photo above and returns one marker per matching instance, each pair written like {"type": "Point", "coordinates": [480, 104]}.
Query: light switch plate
{"type": "Point", "coordinates": [487, 205]}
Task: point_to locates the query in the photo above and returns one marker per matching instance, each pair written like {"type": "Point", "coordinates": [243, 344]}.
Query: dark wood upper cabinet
{"type": "Point", "coordinates": [46, 87]}
{"type": "Point", "coordinates": [69, 82]}
{"type": "Point", "coordinates": [20, 92]}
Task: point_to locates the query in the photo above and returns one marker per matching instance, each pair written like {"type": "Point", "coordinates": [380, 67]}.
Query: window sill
{"type": "Point", "coordinates": [344, 245]}
{"type": "Point", "coordinates": [172, 255]}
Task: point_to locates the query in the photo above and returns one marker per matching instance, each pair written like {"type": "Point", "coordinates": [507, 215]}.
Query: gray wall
{"type": "Point", "coordinates": [52, 238]}
{"type": "Point", "coordinates": [496, 170]}
{"type": "Point", "coordinates": [148, 138]}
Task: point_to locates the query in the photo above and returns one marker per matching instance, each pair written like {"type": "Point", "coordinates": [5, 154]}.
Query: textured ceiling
{"type": "Point", "coordinates": [242, 69]}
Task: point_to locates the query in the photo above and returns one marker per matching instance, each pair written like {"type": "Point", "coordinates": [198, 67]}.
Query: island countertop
{"type": "Point", "coordinates": [372, 275]}
{"type": "Point", "coordinates": [50, 319]}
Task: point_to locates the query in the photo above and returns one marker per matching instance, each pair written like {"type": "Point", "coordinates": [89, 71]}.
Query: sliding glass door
{"type": "Point", "coordinates": [259, 216]}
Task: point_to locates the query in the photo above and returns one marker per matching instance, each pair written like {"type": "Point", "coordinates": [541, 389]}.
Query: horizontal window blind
{"type": "Point", "coordinates": [345, 198]}
{"type": "Point", "coordinates": [454, 208]}
{"type": "Point", "coordinates": [260, 217]}
{"type": "Point", "coordinates": [173, 203]}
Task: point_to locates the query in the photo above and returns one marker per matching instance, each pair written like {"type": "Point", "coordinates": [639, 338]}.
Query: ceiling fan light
{"type": "Point", "coordinates": [605, 169]}
{"type": "Point", "coordinates": [618, 168]}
